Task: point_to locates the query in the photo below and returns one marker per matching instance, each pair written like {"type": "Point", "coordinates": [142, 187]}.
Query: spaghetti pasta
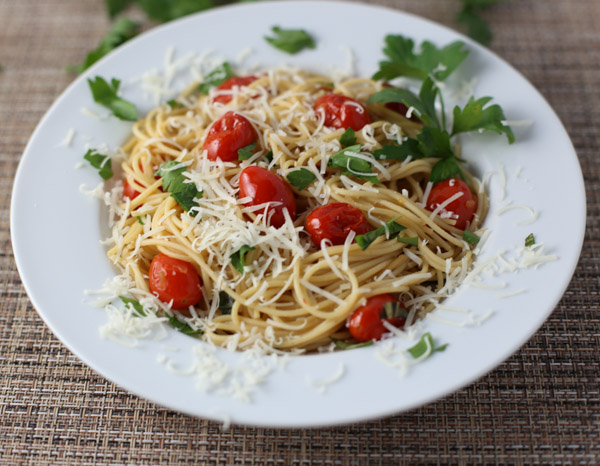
{"type": "Point", "coordinates": [292, 293]}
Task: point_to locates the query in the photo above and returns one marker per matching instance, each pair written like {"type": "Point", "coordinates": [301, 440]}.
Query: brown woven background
{"type": "Point", "coordinates": [541, 406]}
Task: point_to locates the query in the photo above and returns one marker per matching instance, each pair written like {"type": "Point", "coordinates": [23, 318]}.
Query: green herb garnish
{"type": "Point", "coordinates": [217, 76]}
{"type": "Point", "coordinates": [182, 190]}
{"type": "Point", "coordinates": [391, 229]}
{"type": "Point", "coordinates": [413, 240]}
{"type": "Point", "coordinates": [290, 40]}
{"type": "Point", "coordinates": [348, 138]}
{"type": "Point", "coordinates": [105, 94]}
{"type": "Point", "coordinates": [444, 169]}
{"type": "Point", "coordinates": [121, 31]}
{"type": "Point", "coordinates": [477, 26]}
{"type": "Point", "coordinates": [115, 7]}
{"type": "Point", "coordinates": [101, 162]}
{"type": "Point", "coordinates": [225, 303]}
{"type": "Point", "coordinates": [246, 152]}
{"type": "Point", "coordinates": [174, 104]}
{"type": "Point", "coordinates": [139, 219]}
{"type": "Point", "coordinates": [422, 346]}
{"type": "Point", "coordinates": [530, 240]}
{"type": "Point", "coordinates": [167, 10]}
{"type": "Point", "coordinates": [301, 178]}
{"type": "Point", "coordinates": [344, 345]}
{"type": "Point", "coordinates": [429, 61]}
{"type": "Point", "coordinates": [352, 165]}
{"type": "Point", "coordinates": [237, 258]}
{"type": "Point", "coordinates": [474, 117]}
{"type": "Point", "coordinates": [470, 237]}
{"type": "Point", "coordinates": [134, 305]}
{"type": "Point", "coordinates": [182, 326]}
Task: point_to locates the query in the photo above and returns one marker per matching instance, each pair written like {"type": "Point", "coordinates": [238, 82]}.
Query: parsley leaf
{"type": "Point", "coordinates": [434, 142]}
{"type": "Point", "coordinates": [290, 40]}
{"type": "Point", "coordinates": [167, 10]}
{"type": "Point", "coordinates": [182, 326]}
{"type": "Point", "coordinates": [301, 178]}
{"type": "Point", "coordinates": [424, 103]}
{"type": "Point", "coordinates": [225, 303]}
{"type": "Point", "coordinates": [105, 94]}
{"type": "Point", "coordinates": [475, 117]}
{"type": "Point", "coordinates": [530, 240]}
{"type": "Point", "coordinates": [139, 219]}
{"type": "Point", "coordinates": [413, 240]}
{"type": "Point", "coordinates": [123, 30]}
{"type": "Point", "coordinates": [101, 162]}
{"type": "Point", "coordinates": [246, 152]}
{"type": "Point", "coordinates": [364, 241]}
{"type": "Point", "coordinates": [423, 344]}
{"type": "Point", "coordinates": [408, 148]}
{"type": "Point", "coordinates": [354, 166]}
{"type": "Point", "coordinates": [344, 345]}
{"type": "Point", "coordinates": [440, 63]}
{"type": "Point", "coordinates": [174, 103]}
{"type": "Point", "coordinates": [115, 7]}
{"type": "Point", "coordinates": [470, 237]}
{"type": "Point", "coordinates": [445, 168]}
{"type": "Point", "coordinates": [135, 306]}
{"type": "Point", "coordinates": [217, 76]}
{"type": "Point", "coordinates": [237, 258]}
{"type": "Point", "coordinates": [348, 138]}
{"type": "Point", "coordinates": [477, 27]}
{"type": "Point", "coordinates": [181, 189]}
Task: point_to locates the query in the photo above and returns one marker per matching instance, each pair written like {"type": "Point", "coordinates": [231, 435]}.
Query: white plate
{"type": "Point", "coordinates": [56, 230]}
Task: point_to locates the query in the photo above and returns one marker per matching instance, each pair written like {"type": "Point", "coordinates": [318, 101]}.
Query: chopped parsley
{"type": "Point", "coordinates": [348, 138]}
{"type": "Point", "coordinates": [470, 237]}
{"type": "Point", "coordinates": [174, 104]}
{"type": "Point", "coordinates": [444, 169]}
{"type": "Point", "coordinates": [237, 258]}
{"type": "Point", "coordinates": [301, 178]}
{"type": "Point", "coordinates": [105, 94]}
{"type": "Point", "coordinates": [413, 240]}
{"type": "Point", "coordinates": [120, 32]}
{"type": "Point", "coordinates": [182, 189]}
{"type": "Point", "coordinates": [290, 41]}
{"type": "Point", "coordinates": [225, 303]}
{"type": "Point", "coordinates": [391, 229]}
{"type": "Point", "coordinates": [182, 326]}
{"type": "Point", "coordinates": [530, 240]}
{"type": "Point", "coordinates": [353, 165]}
{"type": "Point", "coordinates": [477, 27]}
{"type": "Point", "coordinates": [422, 346]}
{"type": "Point", "coordinates": [101, 162]}
{"type": "Point", "coordinates": [246, 152]}
{"type": "Point", "coordinates": [139, 219]}
{"type": "Point", "coordinates": [217, 76]}
{"type": "Point", "coordinates": [134, 305]}
{"type": "Point", "coordinates": [474, 117]}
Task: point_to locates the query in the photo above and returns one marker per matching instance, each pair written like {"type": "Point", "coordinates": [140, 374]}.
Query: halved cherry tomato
{"type": "Point", "coordinates": [366, 322]}
{"type": "Point", "coordinates": [239, 81]}
{"type": "Point", "coordinates": [341, 111]}
{"type": "Point", "coordinates": [334, 222]}
{"type": "Point", "coordinates": [463, 208]}
{"type": "Point", "coordinates": [227, 135]}
{"type": "Point", "coordinates": [129, 191]}
{"type": "Point", "coordinates": [262, 186]}
{"type": "Point", "coordinates": [176, 280]}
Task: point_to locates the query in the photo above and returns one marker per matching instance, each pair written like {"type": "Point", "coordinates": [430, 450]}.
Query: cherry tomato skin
{"type": "Point", "coordinates": [129, 191]}
{"type": "Point", "coordinates": [341, 111]}
{"type": "Point", "coordinates": [263, 186]}
{"type": "Point", "coordinates": [239, 81]}
{"type": "Point", "coordinates": [334, 222]}
{"type": "Point", "coordinates": [228, 134]}
{"type": "Point", "coordinates": [464, 207]}
{"type": "Point", "coordinates": [366, 323]}
{"type": "Point", "coordinates": [175, 279]}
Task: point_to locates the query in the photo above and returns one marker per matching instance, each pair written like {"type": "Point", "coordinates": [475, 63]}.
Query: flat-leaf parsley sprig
{"type": "Point", "coordinates": [433, 65]}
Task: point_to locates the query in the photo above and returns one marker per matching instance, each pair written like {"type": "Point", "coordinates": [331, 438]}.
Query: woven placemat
{"type": "Point", "coordinates": [541, 406]}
